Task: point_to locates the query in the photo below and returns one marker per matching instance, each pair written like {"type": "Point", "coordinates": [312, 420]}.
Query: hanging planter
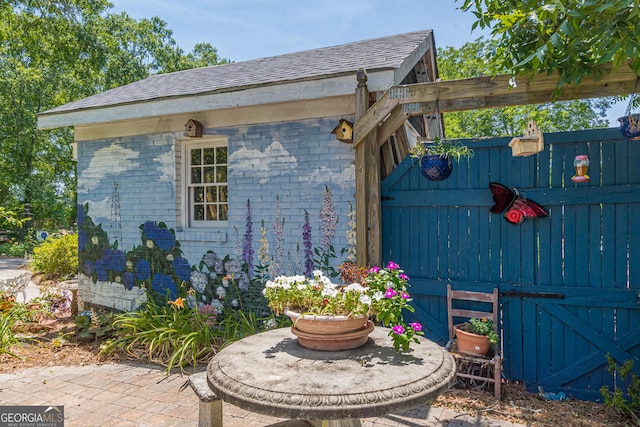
{"type": "Point", "coordinates": [436, 157]}
{"type": "Point", "coordinates": [630, 123]}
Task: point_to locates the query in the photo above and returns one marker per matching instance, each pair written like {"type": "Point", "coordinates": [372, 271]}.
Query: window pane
{"type": "Point", "coordinates": [223, 193]}
{"type": "Point", "coordinates": [209, 175]}
{"type": "Point", "coordinates": [196, 176]}
{"type": "Point", "coordinates": [212, 214]}
{"type": "Point", "coordinates": [212, 194]}
{"type": "Point", "coordinates": [198, 194]}
{"type": "Point", "coordinates": [209, 156]}
{"type": "Point", "coordinates": [196, 157]}
{"type": "Point", "coordinates": [221, 174]}
{"type": "Point", "coordinates": [224, 212]}
{"type": "Point", "coordinates": [222, 155]}
{"type": "Point", "coordinates": [198, 212]}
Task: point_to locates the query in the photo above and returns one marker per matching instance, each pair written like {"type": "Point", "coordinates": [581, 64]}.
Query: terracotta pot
{"type": "Point", "coordinates": [330, 333]}
{"type": "Point", "coordinates": [326, 325]}
{"type": "Point", "coordinates": [473, 344]}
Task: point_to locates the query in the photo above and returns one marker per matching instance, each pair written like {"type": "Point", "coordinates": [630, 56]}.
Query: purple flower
{"type": "Point", "coordinates": [143, 270]}
{"type": "Point", "coordinates": [404, 295]}
{"type": "Point", "coordinates": [416, 326]}
{"type": "Point", "coordinates": [247, 249]}
{"type": "Point", "coordinates": [375, 269]}
{"type": "Point", "coordinates": [162, 284]}
{"type": "Point", "coordinates": [183, 269]}
{"type": "Point", "coordinates": [390, 293]}
{"type": "Point", "coordinates": [114, 260]}
{"type": "Point", "coordinates": [392, 266]}
{"type": "Point", "coordinates": [398, 329]}
{"type": "Point", "coordinates": [403, 276]}
{"type": "Point", "coordinates": [128, 280]}
{"type": "Point", "coordinates": [306, 240]}
{"type": "Point", "coordinates": [278, 240]}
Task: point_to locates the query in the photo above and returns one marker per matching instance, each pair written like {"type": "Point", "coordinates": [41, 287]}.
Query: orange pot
{"type": "Point", "coordinates": [473, 344]}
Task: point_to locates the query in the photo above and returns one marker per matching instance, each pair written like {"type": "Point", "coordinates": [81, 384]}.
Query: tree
{"type": "Point", "coordinates": [576, 38]}
{"type": "Point", "coordinates": [471, 61]}
{"type": "Point", "coordinates": [56, 51]}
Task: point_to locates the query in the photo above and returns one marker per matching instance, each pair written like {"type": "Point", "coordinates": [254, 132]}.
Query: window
{"type": "Point", "coordinates": [206, 184]}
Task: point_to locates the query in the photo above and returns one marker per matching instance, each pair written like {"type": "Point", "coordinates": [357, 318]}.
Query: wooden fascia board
{"type": "Point", "coordinates": [379, 80]}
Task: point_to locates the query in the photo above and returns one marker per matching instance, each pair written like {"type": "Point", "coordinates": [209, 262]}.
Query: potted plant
{"type": "Point", "coordinates": [316, 306]}
{"type": "Point", "coordinates": [436, 157]}
{"type": "Point", "coordinates": [476, 336]}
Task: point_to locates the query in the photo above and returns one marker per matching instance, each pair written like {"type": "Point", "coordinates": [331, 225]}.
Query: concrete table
{"type": "Point", "coordinates": [271, 374]}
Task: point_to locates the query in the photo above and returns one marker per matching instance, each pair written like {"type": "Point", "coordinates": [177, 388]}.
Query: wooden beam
{"type": "Point", "coordinates": [489, 92]}
{"type": "Point", "coordinates": [362, 201]}
{"type": "Point", "coordinates": [391, 125]}
{"type": "Point", "coordinates": [374, 115]}
{"type": "Point", "coordinates": [499, 91]}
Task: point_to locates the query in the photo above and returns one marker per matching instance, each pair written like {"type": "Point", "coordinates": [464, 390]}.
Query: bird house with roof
{"type": "Point", "coordinates": [343, 131]}
{"type": "Point", "coordinates": [193, 129]}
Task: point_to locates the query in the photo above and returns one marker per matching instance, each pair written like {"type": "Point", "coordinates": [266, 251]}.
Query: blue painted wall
{"type": "Point", "coordinates": [290, 160]}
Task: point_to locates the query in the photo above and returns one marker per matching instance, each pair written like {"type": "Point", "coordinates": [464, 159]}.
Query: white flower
{"type": "Point", "coordinates": [271, 324]}
{"type": "Point", "coordinates": [150, 244]}
{"type": "Point", "coordinates": [170, 257]}
{"type": "Point", "coordinates": [234, 303]}
{"type": "Point", "coordinates": [221, 292]}
{"type": "Point", "coordinates": [95, 240]}
{"type": "Point", "coordinates": [378, 295]}
{"type": "Point", "coordinates": [328, 292]}
{"type": "Point", "coordinates": [356, 287]}
{"type": "Point", "coordinates": [365, 299]}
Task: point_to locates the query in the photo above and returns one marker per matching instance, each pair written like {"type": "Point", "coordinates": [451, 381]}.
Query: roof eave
{"type": "Point", "coordinates": [323, 87]}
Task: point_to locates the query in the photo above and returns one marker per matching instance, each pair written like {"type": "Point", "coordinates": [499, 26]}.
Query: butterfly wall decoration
{"type": "Point", "coordinates": [515, 206]}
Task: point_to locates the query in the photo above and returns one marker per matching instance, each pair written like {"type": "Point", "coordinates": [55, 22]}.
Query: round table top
{"type": "Point", "coordinates": [270, 373]}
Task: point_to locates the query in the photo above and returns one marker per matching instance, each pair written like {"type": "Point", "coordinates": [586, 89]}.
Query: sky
{"type": "Point", "coordinates": [248, 29]}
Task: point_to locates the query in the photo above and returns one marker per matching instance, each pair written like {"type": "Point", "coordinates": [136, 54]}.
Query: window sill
{"type": "Point", "coordinates": [195, 235]}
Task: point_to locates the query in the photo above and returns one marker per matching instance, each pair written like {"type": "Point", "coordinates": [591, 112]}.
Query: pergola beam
{"type": "Point", "coordinates": [485, 92]}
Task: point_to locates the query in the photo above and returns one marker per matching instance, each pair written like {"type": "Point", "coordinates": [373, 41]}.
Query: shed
{"type": "Point", "coordinates": [162, 202]}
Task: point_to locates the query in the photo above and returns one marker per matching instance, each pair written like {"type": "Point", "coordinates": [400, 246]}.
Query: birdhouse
{"type": "Point", "coordinates": [531, 143]}
{"type": "Point", "coordinates": [343, 131]}
{"type": "Point", "coordinates": [193, 129]}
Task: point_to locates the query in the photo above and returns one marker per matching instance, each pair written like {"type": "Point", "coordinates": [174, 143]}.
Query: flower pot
{"type": "Point", "coordinates": [435, 168]}
{"type": "Point", "coordinates": [330, 333]}
{"type": "Point", "coordinates": [630, 126]}
{"type": "Point", "coordinates": [472, 344]}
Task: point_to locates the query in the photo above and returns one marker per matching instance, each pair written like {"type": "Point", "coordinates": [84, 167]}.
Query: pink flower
{"type": "Point", "coordinates": [416, 326]}
{"type": "Point", "coordinates": [398, 329]}
{"type": "Point", "coordinates": [374, 269]}
{"type": "Point", "coordinates": [390, 293]}
{"type": "Point", "coordinates": [404, 295]}
{"type": "Point", "coordinates": [392, 266]}
{"type": "Point", "coordinates": [403, 276]}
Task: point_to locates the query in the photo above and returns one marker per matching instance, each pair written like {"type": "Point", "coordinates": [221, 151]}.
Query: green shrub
{"type": "Point", "coordinates": [57, 257]}
{"type": "Point", "coordinates": [626, 401]}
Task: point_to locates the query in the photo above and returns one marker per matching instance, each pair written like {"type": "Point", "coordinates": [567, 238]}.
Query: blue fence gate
{"type": "Point", "coordinates": [569, 284]}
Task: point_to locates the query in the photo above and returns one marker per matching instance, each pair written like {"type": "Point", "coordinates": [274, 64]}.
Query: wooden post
{"type": "Point", "coordinates": [368, 217]}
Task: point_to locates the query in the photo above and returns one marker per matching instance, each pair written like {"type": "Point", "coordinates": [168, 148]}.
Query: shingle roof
{"type": "Point", "coordinates": [374, 54]}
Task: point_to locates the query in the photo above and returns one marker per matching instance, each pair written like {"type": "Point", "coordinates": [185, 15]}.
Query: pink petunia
{"type": "Point", "coordinates": [416, 326]}
{"type": "Point", "coordinates": [392, 266]}
{"type": "Point", "coordinates": [403, 276]}
{"type": "Point", "coordinates": [390, 293]}
{"type": "Point", "coordinates": [398, 329]}
{"type": "Point", "coordinates": [405, 295]}
{"type": "Point", "coordinates": [374, 269]}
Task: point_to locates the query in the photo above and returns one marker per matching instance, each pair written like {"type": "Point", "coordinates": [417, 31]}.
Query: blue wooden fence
{"type": "Point", "coordinates": [569, 283]}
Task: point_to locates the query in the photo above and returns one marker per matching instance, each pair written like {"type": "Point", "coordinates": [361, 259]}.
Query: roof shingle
{"type": "Point", "coordinates": [374, 54]}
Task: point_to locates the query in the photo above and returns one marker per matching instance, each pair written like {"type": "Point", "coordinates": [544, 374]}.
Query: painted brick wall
{"type": "Point", "coordinates": [292, 161]}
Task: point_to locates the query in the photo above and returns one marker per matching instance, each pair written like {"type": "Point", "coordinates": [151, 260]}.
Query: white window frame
{"type": "Point", "coordinates": [186, 187]}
